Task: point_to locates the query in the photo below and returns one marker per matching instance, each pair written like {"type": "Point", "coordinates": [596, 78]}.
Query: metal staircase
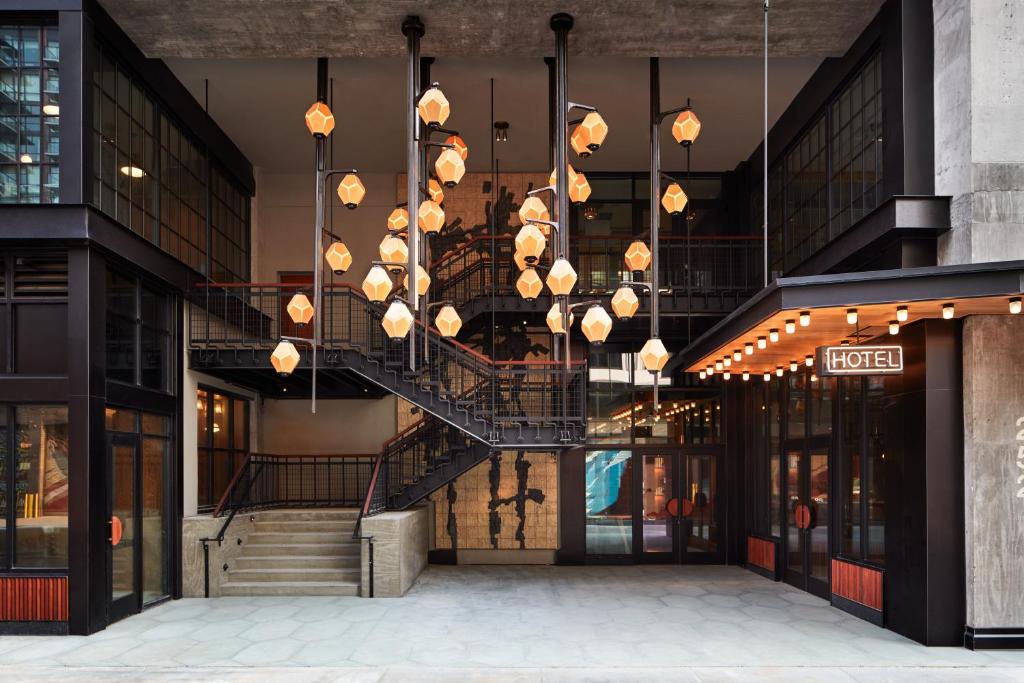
{"type": "Point", "coordinates": [497, 403]}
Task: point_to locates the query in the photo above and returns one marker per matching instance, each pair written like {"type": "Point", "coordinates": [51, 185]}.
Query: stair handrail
{"type": "Point", "coordinates": [219, 538]}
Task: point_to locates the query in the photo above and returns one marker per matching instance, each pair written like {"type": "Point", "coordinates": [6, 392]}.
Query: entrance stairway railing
{"type": "Point", "coordinates": [536, 403]}
{"type": "Point", "coordinates": [724, 271]}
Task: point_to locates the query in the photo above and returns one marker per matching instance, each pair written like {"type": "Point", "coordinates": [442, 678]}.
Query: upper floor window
{"type": "Point", "coordinates": [29, 115]}
{"type": "Point", "coordinates": [139, 326]}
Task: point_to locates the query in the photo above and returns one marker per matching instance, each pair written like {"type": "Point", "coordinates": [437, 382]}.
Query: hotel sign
{"type": "Point", "coordinates": [860, 360]}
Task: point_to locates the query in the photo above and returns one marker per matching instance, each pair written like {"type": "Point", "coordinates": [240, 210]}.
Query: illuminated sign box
{"type": "Point", "coordinates": [859, 360]}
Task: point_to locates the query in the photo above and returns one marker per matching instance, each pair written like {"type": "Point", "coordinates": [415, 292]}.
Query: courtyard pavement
{"type": "Point", "coordinates": [695, 624]}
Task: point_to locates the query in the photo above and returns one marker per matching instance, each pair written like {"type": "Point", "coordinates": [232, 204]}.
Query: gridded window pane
{"type": "Point", "coordinates": [41, 486]}
{"type": "Point", "coordinates": [851, 414]}
{"type": "Point", "coordinates": [29, 115]}
{"type": "Point", "coordinates": [229, 230]}
{"type": "Point", "coordinates": [121, 327]}
{"type": "Point", "coordinates": [223, 442]}
{"type": "Point", "coordinates": [877, 407]}
{"type": "Point", "coordinates": [5, 499]}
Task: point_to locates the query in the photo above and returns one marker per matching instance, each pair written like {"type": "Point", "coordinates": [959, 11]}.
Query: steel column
{"type": "Point", "coordinates": [413, 29]}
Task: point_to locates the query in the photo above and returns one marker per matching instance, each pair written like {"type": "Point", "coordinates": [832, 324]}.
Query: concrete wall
{"type": "Point", "coordinates": [979, 151]}
{"type": "Point", "coordinates": [993, 465]}
{"type": "Point", "coordinates": [194, 528]}
{"type": "Point", "coordinates": [399, 551]}
{"type": "Point", "coordinates": [350, 426]}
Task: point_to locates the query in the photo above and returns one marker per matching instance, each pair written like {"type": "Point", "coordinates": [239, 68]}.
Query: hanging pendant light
{"type": "Point", "coordinates": [398, 220]}
{"type": "Point", "coordinates": [554, 319]}
{"type": "Point", "coordinates": [431, 216]}
{"type": "Point", "coordinates": [592, 131]}
{"type": "Point", "coordinates": [434, 191]}
{"type": "Point", "coordinates": [377, 284]}
{"type": "Point", "coordinates": [596, 325]}
{"type": "Point", "coordinates": [553, 178]}
{"type": "Point", "coordinates": [638, 256]}
{"type": "Point", "coordinates": [686, 128]}
{"type": "Point", "coordinates": [398, 320]}
{"type": "Point", "coordinates": [422, 280]}
{"type": "Point", "coordinates": [529, 284]}
{"type": "Point", "coordinates": [448, 322]}
{"type": "Point", "coordinates": [530, 242]}
{"type": "Point", "coordinates": [579, 189]}
{"type": "Point", "coordinates": [351, 191]}
{"type": "Point", "coordinates": [285, 358]}
{"type": "Point", "coordinates": [300, 310]}
{"type": "Point", "coordinates": [654, 356]}
{"type": "Point", "coordinates": [449, 167]}
{"type": "Point", "coordinates": [520, 260]}
{"type": "Point", "coordinates": [625, 303]}
{"type": "Point", "coordinates": [394, 250]}
{"type": "Point", "coordinates": [533, 209]}
{"type": "Point", "coordinates": [338, 258]}
{"type": "Point", "coordinates": [433, 107]}
{"type": "Point", "coordinates": [319, 120]}
{"type": "Point", "coordinates": [459, 145]}
{"type": "Point", "coordinates": [674, 200]}
{"type": "Point", "coordinates": [561, 278]}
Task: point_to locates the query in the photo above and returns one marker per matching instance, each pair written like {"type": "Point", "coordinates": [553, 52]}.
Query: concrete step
{"type": "Point", "coordinates": [293, 549]}
{"type": "Point", "coordinates": [292, 575]}
{"type": "Point", "coordinates": [305, 525]}
{"type": "Point", "coordinates": [245, 588]}
{"type": "Point", "coordinates": [339, 514]}
{"type": "Point", "coordinates": [348, 561]}
{"type": "Point", "coordinates": [298, 537]}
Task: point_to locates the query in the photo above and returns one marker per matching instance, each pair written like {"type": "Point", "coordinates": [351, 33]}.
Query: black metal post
{"type": "Point", "coordinates": [655, 208]}
{"type": "Point", "coordinates": [413, 30]}
{"type": "Point", "coordinates": [318, 239]}
{"type": "Point", "coordinates": [561, 24]}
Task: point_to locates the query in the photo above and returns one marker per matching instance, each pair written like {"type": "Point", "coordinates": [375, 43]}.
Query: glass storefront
{"type": "Point", "coordinates": [609, 499]}
{"type": "Point", "coordinates": [223, 442]}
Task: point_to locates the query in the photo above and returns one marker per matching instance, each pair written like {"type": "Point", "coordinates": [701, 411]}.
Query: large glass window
{"type": "Point", "coordinates": [138, 334]}
{"type": "Point", "coordinates": [34, 486]}
{"type": "Point", "coordinates": [182, 196]}
{"type": "Point", "coordinates": [223, 443]}
{"type": "Point", "coordinates": [831, 176]}
{"type": "Point", "coordinates": [609, 503]}
{"type": "Point", "coordinates": [862, 460]}
{"type": "Point", "coordinates": [29, 115]}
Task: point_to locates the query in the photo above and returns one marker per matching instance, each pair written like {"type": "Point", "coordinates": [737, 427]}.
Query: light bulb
{"type": "Point", "coordinates": [948, 311]}
{"type": "Point", "coordinates": [773, 336]}
{"type": "Point", "coordinates": [762, 343]}
{"type": "Point", "coordinates": [767, 376]}
{"type": "Point", "coordinates": [718, 365]}
{"type": "Point", "coordinates": [1015, 305]}
{"type": "Point", "coordinates": [749, 348]}
{"type": "Point", "coordinates": [737, 355]}
{"type": "Point", "coordinates": [902, 313]}
{"type": "Point", "coordinates": [790, 326]}
{"type": "Point", "coordinates": [710, 370]}
{"type": "Point", "coordinates": [779, 371]}
{"type": "Point", "coordinates": [726, 375]}
{"type": "Point", "coordinates": [809, 361]}
{"type": "Point", "coordinates": [894, 327]}
{"type": "Point", "coordinates": [793, 365]}
{"type": "Point", "coordinates": [727, 361]}
{"type": "Point", "coordinates": [805, 318]}
{"type": "Point", "coordinates": [746, 375]}
{"type": "Point", "coordinates": [814, 378]}
{"type": "Point", "coordinates": [703, 375]}
{"type": "Point", "coordinates": [851, 316]}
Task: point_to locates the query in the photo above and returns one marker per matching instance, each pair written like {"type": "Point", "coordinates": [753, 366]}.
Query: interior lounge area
{"type": "Point", "coordinates": [331, 310]}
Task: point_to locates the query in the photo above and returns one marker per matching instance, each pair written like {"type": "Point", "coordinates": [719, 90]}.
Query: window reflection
{"type": "Point", "coordinates": [41, 486]}
{"type": "Point", "coordinates": [609, 477]}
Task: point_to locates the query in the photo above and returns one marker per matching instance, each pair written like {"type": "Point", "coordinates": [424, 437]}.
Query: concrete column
{"type": "Point", "coordinates": [979, 151]}
{"type": "Point", "coordinates": [993, 464]}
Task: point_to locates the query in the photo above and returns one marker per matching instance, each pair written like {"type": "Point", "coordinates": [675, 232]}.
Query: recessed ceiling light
{"type": "Point", "coordinates": [132, 171]}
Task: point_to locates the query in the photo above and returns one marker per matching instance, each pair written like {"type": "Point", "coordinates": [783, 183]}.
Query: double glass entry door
{"type": "Point", "coordinates": [652, 505]}
{"type": "Point", "coordinates": [807, 516]}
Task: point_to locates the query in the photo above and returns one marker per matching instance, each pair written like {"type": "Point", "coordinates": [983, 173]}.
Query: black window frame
{"type": "Point", "coordinates": [233, 455]}
{"type": "Point", "coordinates": [140, 326]}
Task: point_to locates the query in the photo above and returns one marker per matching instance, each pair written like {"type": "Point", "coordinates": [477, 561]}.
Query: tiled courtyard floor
{"type": "Point", "coordinates": [510, 624]}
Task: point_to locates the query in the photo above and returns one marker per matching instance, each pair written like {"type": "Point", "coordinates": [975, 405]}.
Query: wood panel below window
{"type": "Point", "coordinates": [858, 583]}
{"type": "Point", "coordinates": [33, 598]}
{"type": "Point", "coordinates": [761, 553]}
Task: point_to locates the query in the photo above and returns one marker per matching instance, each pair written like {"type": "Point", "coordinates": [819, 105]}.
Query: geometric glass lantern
{"type": "Point", "coordinates": [553, 178]}
{"type": "Point", "coordinates": [434, 191]}
{"type": "Point", "coordinates": [398, 220]}
{"type": "Point", "coordinates": [458, 144]}
{"type": "Point", "coordinates": [654, 355]}
{"type": "Point", "coordinates": [398, 320]}
{"type": "Point", "coordinates": [530, 242]}
{"type": "Point", "coordinates": [561, 278]}
{"type": "Point", "coordinates": [519, 260]}
{"type": "Point", "coordinates": [674, 200]}
{"type": "Point", "coordinates": [300, 310]}
{"type": "Point", "coordinates": [625, 303]}
{"type": "Point", "coordinates": [579, 188]}
{"type": "Point", "coordinates": [596, 325]}
{"type": "Point", "coordinates": [422, 281]}
{"type": "Point", "coordinates": [394, 250]}
{"type": "Point", "coordinates": [533, 209]}
{"type": "Point", "coordinates": [450, 167]}
{"type": "Point", "coordinates": [338, 257]}
{"type": "Point", "coordinates": [284, 358]}
{"type": "Point", "coordinates": [448, 322]}
{"type": "Point", "coordinates": [638, 256]}
{"type": "Point", "coordinates": [529, 284]}
{"type": "Point", "coordinates": [377, 284]}
{"type": "Point", "coordinates": [431, 216]}
{"type": "Point", "coordinates": [319, 119]}
{"type": "Point", "coordinates": [351, 191]}
{"type": "Point", "coordinates": [433, 107]}
{"type": "Point", "coordinates": [554, 319]}
{"type": "Point", "coordinates": [686, 128]}
{"type": "Point", "coordinates": [589, 134]}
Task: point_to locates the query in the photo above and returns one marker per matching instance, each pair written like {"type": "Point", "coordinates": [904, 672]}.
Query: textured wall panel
{"type": "Point", "coordinates": [33, 598]}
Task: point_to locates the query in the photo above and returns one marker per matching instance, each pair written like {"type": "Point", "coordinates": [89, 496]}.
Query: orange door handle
{"type": "Point", "coordinates": [116, 530]}
{"type": "Point", "coordinates": [802, 516]}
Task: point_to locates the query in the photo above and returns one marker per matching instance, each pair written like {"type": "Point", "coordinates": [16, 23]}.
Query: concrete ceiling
{"type": "Point", "coordinates": [260, 103]}
{"type": "Point", "coordinates": [371, 28]}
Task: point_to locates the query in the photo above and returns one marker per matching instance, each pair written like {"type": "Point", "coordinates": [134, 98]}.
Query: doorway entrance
{"type": "Point", "coordinates": [806, 551]}
{"type": "Point", "coordinates": [653, 505]}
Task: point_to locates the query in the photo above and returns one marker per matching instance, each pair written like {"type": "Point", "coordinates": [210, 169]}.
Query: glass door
{"type": "Point", "coordinates": [659, 515]}
{"type": "Point", "coordinates": [123, 560]}
{"type": "Point", "coordinates": [699, 508]}
{"type": "Point", "coordinates": [609, 505]}
{"type": "Point", "coordinates": [807, 516]}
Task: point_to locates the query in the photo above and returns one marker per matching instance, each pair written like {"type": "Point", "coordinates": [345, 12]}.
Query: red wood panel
{"type": "Point", "coordinates": [33, 598]}
{"type": "Point", "coordinates": [857, 583]}
{"type": "Point", "coordinates": [761, 553]}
